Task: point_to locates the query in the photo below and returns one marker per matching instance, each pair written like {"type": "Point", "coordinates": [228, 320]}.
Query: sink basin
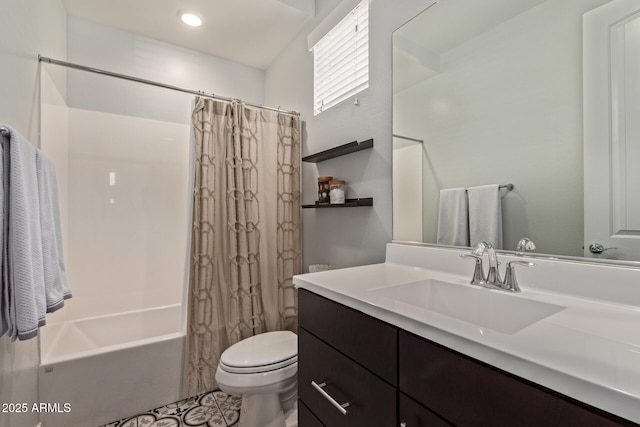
{"type": "Point", "coordinates": [491, 309]}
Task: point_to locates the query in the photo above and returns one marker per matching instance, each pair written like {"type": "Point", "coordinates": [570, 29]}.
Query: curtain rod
{"type": "Point", "coordinates": [158, 84]}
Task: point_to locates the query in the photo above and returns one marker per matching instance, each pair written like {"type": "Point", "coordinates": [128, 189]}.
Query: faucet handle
{"type": "Point", "coordinates": [478, 272]}
{"type": "Point", "coordinates": [510, 280]}
{"type": "Point", "coordinates": [481, 247]}
{"type": "Point", "coordinates": [525, 245]}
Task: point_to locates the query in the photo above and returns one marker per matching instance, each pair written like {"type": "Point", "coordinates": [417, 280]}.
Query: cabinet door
{"type": "Point", "coordinates": [412, 414]}
{"type": "Point", "coordinates": [372, 402]}
{"type": "Point", "coordinates": [372, 342]}
{"type": "Point", "coordinates": [467, 392]}
{"type": "Point", "coordinates": [306, 418]}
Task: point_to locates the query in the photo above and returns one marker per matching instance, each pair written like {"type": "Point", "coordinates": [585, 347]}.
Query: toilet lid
{"type": "Point", "coordinates": [263, 352]}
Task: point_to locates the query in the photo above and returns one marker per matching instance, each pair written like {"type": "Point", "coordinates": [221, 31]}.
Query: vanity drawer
{"type": "Point", "coordinates": [467, 392]}
{"type": "Point", "coordinates": [372, 402]}
{"type": "Point", "coordinates": [370, 341]}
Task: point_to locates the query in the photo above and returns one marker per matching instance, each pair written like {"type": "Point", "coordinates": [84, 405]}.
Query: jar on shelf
{"type": "Point", "coordinates": [323, 189]}
{"type": "Point", "coordinates": [336, 192]}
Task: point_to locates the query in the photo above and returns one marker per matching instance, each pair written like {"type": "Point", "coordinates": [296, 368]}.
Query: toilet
{"type": "Point", "coordinates": [262, 369]}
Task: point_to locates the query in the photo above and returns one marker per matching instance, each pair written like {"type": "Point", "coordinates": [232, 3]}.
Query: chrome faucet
{"type": "Point", "coordinates": [510, 281]}
{"type": "Point", "coordinates": [478, 272]}
{"type": "Point", "coordinates": [493, 276]}
{"type": "Point", "coordinates": [492, 279]}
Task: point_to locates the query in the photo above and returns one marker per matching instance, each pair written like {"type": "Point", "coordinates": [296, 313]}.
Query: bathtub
{"type": "Point", "coordinates": [105, 368]}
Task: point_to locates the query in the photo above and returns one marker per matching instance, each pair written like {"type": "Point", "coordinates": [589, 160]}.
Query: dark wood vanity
{"type": "Point", "coordinates": [390, 377]}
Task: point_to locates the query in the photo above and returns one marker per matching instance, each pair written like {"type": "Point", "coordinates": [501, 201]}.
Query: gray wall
{"type": "Point", "coordinates": [29, 27]}
{"type": "Point", "coordinates": [345, 237]}
{"type": "Point", "coordinates": [507, 108]}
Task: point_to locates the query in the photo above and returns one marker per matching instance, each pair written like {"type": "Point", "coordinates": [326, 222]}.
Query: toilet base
{"type": "Point", "coordinates": [265, 410]}
{"type": "Point", "coordinates": [291, 417]}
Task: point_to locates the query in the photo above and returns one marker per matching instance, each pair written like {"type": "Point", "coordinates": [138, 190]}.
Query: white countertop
{"type": "Point", "coordinates": [589, 351]}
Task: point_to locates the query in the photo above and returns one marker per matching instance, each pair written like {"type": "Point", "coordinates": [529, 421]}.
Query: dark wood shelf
{"type": "Point", "coordinates": [331, 153]}
{"type": "Point", "coordinates": [349, 203]}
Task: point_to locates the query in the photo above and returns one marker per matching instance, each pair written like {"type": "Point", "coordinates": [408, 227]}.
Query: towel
{"type": "Point", "coordinates": [5, 320]}
{"type": "Point", "coordinates": [485, 215]}
{"type": "Point", "coordinates": [453, 220]}
{"type": "Point", "coordinates": [26, 278]}
{"type": "Point", "coordinates": [33, 279]}
{"type": "Point", "coordinates": [55, 275]}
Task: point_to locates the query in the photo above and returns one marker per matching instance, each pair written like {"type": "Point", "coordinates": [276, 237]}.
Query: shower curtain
{"type": "Point", "coordinates": [245, 242]}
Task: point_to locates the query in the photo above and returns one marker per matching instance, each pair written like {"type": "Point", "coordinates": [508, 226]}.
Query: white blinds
{"type": "Point", "coordinates": [341, 60]}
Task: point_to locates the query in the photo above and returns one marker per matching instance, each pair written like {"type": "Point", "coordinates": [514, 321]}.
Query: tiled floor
{"type": "Point", "coordinates": [208, 409]}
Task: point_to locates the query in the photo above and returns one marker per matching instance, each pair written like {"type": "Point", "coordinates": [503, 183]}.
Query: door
{"type": "Point", "coordinates": [611, 79]}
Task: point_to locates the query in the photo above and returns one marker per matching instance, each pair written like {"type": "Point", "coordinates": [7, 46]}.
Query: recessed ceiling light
{"type": "Point", "coordinates": [190, 18]}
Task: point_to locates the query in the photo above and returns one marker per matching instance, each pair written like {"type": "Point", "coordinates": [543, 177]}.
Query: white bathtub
{"type": "Point", "coordinates": [110, 367]}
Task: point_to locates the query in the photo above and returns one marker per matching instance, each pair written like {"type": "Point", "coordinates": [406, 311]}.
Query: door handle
{"type": "Point", "coordinates": [339, 406]}
{"type": "Point", "coordinates": [598, 248]}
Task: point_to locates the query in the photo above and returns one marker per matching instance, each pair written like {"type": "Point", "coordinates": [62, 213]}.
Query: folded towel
{"type": "Point", "coordinates": [24, 244]}
{"type": "Point", "coordinates": [25, 238]}
{"type": "Point", "coordinates": [33, 278]}
{"type": "Point", "coordinates": [5, 319]}
{"type": "Point", "coordinates": [55, 275]}
{"type": "Point", "coordinates": [485, 215]}
{"type": "Point", "coordinates": [453, 220]}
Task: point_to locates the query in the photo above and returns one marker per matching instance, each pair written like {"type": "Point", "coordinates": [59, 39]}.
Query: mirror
{"type": "Point", "coordinates": [489, 93]}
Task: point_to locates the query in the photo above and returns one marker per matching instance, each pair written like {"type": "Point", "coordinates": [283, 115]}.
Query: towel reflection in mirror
{"type": "Point", "coordinates": [467, 216]}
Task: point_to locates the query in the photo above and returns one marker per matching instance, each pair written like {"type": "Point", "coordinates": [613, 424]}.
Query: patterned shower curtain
{"type": "Point", "coordinates": [245, 242]}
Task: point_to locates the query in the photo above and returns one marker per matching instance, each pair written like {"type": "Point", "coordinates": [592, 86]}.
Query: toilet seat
{"type": "Point", "coordinates": [258, 369]}
{"type": "Point", "coordinates": [261, 353]}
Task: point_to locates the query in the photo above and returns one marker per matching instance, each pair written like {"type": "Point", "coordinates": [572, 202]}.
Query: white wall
{"type": "Point", "coordinates": [407, 190]}
{"type": "Point", "coordinates": [345, 237]}
{"type": "Point", "coordinates": [54, 142]}
{"type": "Point", "coordinates": [29, 27]}
{"type": "Point", "coordinates": [128, 199]}
{"type": "Point", "coordinates": [141, 134]}
{"type": "Point", "coordinates": [104, 47]}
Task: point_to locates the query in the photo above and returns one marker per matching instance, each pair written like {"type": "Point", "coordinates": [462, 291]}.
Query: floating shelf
{"type": "Point", "coordinates": [349, 203]}
{"type": "Point", "coordinates": [331, 153]}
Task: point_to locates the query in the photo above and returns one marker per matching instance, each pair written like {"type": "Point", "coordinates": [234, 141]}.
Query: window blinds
{"type": "Point", "coordinates": [341, 60]}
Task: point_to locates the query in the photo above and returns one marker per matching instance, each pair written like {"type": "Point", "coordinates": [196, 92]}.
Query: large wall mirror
{"type": "Point", "coordinates": [491, 93]}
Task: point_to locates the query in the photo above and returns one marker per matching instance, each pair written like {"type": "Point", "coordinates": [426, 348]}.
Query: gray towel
{"type": "Point", "coordinates": [26, 278]}
{"type": "Point", "coordinates": [485, 215]}
{"type": "Point", "coordinates": [453, 219]}
{"type": "Point", "coordinates": [55, 275]}
{"type": "Point", "coordinates": [33, 279]}
{"type": "Point", "coordinates": [5, 302]}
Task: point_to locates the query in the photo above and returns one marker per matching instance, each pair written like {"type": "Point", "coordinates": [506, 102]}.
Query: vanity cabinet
{"type": "Point", "coordinates": [352, 357]}
{"type": "Point", "coordinates": [412, 414]}
{"type": "Point", "coordinates": [390, 376]}
{"type": "Point", "coordinates": [467, 392]}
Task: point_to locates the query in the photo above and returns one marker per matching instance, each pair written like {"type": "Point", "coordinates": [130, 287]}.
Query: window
{"type": "Point", "coordinates": [341, 60]}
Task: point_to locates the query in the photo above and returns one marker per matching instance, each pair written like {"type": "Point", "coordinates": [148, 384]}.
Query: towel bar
{"type": "Point", "coordinates": [4, 130]}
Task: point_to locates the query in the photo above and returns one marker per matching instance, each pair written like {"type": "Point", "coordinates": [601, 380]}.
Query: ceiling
{"type": "Point", "coordinates": [250, 32]}
{"type": "Point", "coordinates": [418, 45]}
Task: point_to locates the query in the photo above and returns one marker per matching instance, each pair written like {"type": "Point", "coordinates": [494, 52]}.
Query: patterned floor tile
{"type": "Point", "coordinates": [229, 406]}
{"type": "Point", "coordinates": [209, 409]}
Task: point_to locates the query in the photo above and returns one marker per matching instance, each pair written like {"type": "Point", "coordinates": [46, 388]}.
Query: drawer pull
{"type": "Point", "coordinates": [339, 407]}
